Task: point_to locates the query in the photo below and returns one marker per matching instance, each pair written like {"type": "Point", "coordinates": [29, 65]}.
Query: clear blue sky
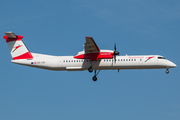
{"type": "Point", "coordinates": [138, 27]}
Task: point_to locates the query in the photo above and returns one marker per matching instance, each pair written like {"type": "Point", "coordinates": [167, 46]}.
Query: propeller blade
{"type": "Point", "coordinates": [115, 53]}
{"type": "Point", "coordinates": [114, 58]}
{"type": "Point", "coordinates": [114, 47]}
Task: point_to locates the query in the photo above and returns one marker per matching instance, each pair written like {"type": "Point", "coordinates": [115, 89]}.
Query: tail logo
{"type": "Point", "coordinates": [16, 47]}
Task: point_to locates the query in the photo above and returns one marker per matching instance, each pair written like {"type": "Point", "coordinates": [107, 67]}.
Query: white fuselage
{"type": "Point", "coordinates": [91, 58]}
{"type": "Point", "coordinates": [69, 63]}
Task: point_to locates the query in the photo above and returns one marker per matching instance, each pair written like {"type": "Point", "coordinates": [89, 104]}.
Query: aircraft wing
{"type": "Point", "coordinates": [92, 51]}
{"type": "Point", "coordinates": [90, 46]}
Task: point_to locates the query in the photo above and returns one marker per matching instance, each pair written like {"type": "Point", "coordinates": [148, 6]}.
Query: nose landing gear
{"type": "Point", "coordinates": [167, 71]}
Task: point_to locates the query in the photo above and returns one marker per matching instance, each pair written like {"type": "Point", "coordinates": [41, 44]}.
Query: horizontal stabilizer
{"type": "Point", "coordinates": [10, 35]}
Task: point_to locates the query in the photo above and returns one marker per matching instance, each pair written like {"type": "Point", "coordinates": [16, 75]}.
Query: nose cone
{"type": "Point", "coordinates": [171, 65]}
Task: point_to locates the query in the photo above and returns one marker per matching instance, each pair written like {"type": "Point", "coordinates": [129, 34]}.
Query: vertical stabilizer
{"type": "Point", "coordinates": [16, 46]}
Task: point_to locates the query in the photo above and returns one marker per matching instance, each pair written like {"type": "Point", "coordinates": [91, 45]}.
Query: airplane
{"type": "Point", "coordinates": [91, 58]}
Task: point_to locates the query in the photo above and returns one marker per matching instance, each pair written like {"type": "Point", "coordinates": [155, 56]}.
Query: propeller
{"type": "Point", "coordinates": [115, 53]}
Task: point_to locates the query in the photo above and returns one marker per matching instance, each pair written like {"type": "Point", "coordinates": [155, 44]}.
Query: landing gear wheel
{"type": "Point", "coordinates": [94, 78]}
{"type": "Point", "coordinates": [167, 71]}
{"type": "Point", "coordinates": [90, 69]}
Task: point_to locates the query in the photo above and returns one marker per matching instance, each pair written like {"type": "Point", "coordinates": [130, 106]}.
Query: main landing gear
{"type": "Point", "coordinates": [90, 69]}
{"type": "Point", "coordinates": [95, 75]}
{"type": "Point", "coordinates": [167, 71]}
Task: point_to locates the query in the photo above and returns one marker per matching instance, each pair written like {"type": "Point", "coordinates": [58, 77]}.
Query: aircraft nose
{"type": "Point", "coordinates": [171, 65]}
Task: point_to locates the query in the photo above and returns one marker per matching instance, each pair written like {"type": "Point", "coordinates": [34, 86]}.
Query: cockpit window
{"type": "Point", "coordinates": [161, 58]}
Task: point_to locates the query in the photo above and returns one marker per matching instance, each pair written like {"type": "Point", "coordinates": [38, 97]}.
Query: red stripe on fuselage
{"type": "Point", "coordinates": [95, 56]}
{"type": "Point", "coordinates": [27, 55]}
